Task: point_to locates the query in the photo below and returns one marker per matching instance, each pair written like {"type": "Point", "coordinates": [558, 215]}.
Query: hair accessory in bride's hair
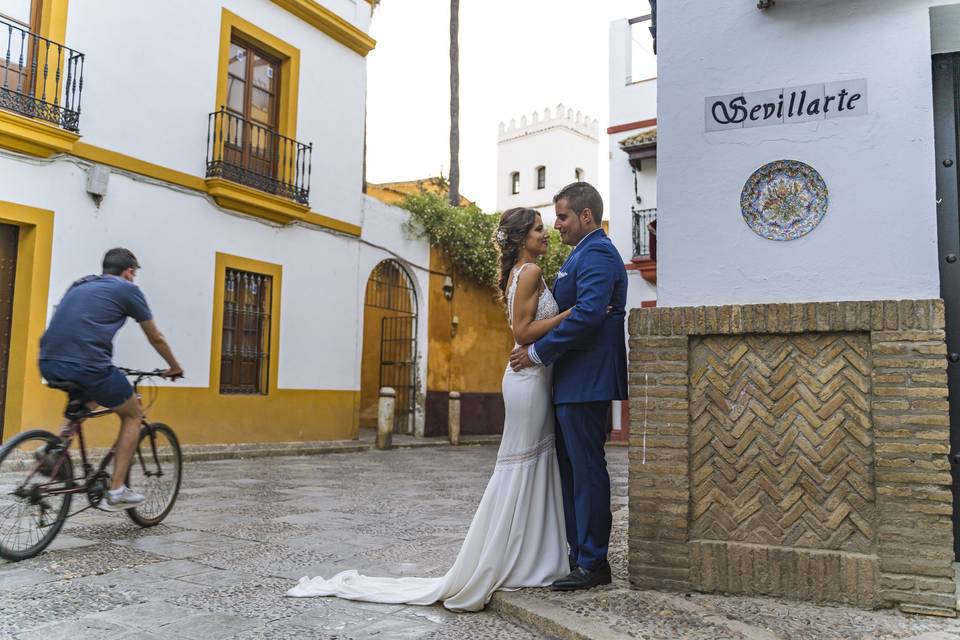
{"type": "Point", "coordinates": [501, 237]}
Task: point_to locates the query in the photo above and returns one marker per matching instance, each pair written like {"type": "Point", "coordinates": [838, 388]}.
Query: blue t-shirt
{"type": "Point", "coordinates": [89, 316]}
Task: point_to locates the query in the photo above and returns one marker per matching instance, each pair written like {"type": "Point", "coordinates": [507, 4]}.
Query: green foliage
{"type": "Point", "coordinates": [465, 234]}
{"type": "Point", "coordinates": [556, 256]}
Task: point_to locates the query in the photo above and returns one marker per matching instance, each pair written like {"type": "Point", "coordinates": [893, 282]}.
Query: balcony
{"type": "Point", "coordinates": [645, 243]}
{"type": "Point", "coordinates": [42, 81]}
{"type": "Point", "coordinates": [247, 153]}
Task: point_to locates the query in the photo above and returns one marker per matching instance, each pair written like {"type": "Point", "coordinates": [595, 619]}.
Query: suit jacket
{"type": "Point", "coordinates": [588, 349]}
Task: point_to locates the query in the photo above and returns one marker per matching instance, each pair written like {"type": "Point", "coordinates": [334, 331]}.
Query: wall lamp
{"type": "Point", "coordinates": [448, 287]}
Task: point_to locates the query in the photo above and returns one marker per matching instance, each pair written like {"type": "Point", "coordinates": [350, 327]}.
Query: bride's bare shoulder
{"type": "Point", "coordinates": [528, 277]}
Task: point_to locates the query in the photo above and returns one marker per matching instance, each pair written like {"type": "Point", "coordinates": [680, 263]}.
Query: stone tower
{"type": "Point", "coordinates": [542, 154]}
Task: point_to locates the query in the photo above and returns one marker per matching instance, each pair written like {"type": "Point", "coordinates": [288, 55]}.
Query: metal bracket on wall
{"type": "Point", "coordinates": [765, 4]}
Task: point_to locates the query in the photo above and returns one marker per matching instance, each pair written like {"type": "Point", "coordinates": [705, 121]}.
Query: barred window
{"type": "Point", "coordinates": [515, 183]}
{"type": "Point", "coordinates": [541, 177]}
{"type": "Point", "coordinates": [245, 350]}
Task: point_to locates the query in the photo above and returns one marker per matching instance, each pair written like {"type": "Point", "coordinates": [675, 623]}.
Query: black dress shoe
{"type": "Point", "coordinates": [581, 578]}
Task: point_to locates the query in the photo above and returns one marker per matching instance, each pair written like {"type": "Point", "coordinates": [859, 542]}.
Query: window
{"type": "Point", "coordinates": [252, 88]}
{"type": "Point", "coordinates": [515, 183]}
{"type": "Point", "coordinates": [578, 174]}
{"type": "Point", "coordinates": [18, 48]}
{"type": "Point", "coordinates": [643, 60]}
{"type": "Point", "coordinates": [541, 177]}
{"type": "Point", "coordinates": [245, 349]}
{"type": "Point", "coordinates": [23, 12]}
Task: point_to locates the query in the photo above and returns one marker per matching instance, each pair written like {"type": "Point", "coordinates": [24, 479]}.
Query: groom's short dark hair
{"type": "Point", "coordinates": [580, 196]}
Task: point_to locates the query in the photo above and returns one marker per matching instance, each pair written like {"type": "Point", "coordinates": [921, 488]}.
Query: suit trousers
{"type": "Point", "coordinates": [581, 435]}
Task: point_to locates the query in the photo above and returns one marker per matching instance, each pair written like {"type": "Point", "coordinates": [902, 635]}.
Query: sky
{"type": "Point", "coordinates": [516, 56]}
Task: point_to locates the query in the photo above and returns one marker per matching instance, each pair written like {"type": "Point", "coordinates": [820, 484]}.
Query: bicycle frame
{"type": "Point", "coordinates": [74, 429]}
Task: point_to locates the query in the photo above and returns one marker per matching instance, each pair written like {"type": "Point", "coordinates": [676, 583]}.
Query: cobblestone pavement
{"type": "Point", "coordinates": [240, 535]}
{"type": "Point", "coordinates": [244, 530]}
{"type": "Point", "coordinates": [617, 612]}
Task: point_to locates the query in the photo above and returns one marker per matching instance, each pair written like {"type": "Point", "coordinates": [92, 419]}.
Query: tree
{"type": "Point", "coordinates": [455, 103]}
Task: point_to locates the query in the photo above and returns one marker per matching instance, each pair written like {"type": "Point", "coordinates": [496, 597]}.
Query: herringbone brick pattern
{"type": "Point", "coordinates": [781, 442]}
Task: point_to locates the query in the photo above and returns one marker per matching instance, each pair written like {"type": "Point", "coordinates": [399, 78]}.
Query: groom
{"type": "Point", "coordinates": [588, 354]}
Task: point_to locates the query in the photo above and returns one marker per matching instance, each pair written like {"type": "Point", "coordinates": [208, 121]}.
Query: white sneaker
{"type": "Point", "coordinates": [124, 499]}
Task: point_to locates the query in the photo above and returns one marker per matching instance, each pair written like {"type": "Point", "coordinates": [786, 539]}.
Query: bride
{"type": "Point", "coordinates": [517, 535]}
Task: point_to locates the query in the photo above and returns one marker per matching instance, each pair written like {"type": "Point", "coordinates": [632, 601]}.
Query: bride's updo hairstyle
{"type": "Point", "coordinates": [514, 226]}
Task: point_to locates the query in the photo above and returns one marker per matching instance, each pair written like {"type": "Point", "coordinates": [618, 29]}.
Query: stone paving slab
{"type": "Point", "coordinates": [243, 531]}
{"type": "Point", "coordinates": [617, 612]}
{"type": "Point", "coordinates": [366, 441]}
{"type": "Point", "coordinates": [241, 534]}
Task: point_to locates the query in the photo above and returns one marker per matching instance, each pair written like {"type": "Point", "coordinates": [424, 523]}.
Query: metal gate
{"type": "Point", "coordinates": [9, 236]}
{"type": "Point", "coordinates": [391, 288]}
{"type": "Point", "coordinates": [398, 366]}
{"type": "Point", "coordinates": [946, 98]}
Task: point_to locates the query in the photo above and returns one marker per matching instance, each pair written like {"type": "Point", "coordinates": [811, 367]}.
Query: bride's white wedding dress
{"type": "Point", "coordinates": [517, 535]}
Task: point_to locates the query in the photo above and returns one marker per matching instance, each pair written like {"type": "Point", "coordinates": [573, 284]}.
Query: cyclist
{"type": "Point", "coordinates": [77, 347]}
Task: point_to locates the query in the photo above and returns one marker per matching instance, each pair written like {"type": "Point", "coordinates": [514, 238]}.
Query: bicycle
{"type": "Point", "coordinates": [37, 481]}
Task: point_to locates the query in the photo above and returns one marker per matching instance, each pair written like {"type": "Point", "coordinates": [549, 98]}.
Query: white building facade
{"type": "Point", "coordinates": [632, 142]}
{"type": "Point", "coordinates": [541, 155]}
{"type": "Point", "coordinates": [632, 156]}
{"type": "Point", "coordinates": [230, 161]}
{"type": "Point", "coordinates": [807, 232]}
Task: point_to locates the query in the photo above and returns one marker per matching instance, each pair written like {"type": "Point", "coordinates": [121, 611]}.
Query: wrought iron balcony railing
{"type": "Point", "coordinates": [251, 154]}
{"type": "Point", "coordinates": [641, 231]}
{"type": "Point", "coordinates": [40, 78]}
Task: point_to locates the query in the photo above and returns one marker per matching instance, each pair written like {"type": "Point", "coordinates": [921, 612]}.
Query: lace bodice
{"type": "Point", "coordinates": [546, 304]}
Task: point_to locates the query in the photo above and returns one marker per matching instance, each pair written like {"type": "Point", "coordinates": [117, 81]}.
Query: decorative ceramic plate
{"type": "Point", "coordinates": [784, 200]}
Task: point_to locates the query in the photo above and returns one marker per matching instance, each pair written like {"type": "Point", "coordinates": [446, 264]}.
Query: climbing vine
{"type": "Point", "coordinates": [465, 234]}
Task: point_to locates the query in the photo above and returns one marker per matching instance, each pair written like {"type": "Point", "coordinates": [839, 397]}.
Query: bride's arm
{"type": "Point", "coordinates": [525, 328]}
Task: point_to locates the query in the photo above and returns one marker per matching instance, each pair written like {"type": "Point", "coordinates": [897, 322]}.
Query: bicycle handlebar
{"type": "Point", "coordinates": [137, 373]}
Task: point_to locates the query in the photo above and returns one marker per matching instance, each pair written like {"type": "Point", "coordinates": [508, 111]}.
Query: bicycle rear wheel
{"type": "Point", "coordinates": [33, 503]}
{"type": "Point", "coordinates": [155, 471]}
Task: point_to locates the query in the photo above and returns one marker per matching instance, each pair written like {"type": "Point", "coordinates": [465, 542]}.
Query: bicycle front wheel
{"type": "Point", "coordinates": [155, 471]}
{"type": "Point", "coordinates": [35, 494]}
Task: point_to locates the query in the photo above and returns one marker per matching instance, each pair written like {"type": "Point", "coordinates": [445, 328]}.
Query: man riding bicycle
{"type": "Point", "coordinates": [77, 347]}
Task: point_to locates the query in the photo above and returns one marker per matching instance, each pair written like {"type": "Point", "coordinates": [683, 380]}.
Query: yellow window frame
{"type": "Point", "coordinates": [226, 261]}
{"type": "Point", "coordinates": [289, 56]}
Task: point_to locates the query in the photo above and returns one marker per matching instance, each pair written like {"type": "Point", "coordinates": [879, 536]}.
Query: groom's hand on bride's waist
{"type": "Point", "coordinates": [520, 359]}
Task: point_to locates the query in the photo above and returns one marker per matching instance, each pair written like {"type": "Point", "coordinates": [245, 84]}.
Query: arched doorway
{"type": "Point", "coordinates": [389, 344]}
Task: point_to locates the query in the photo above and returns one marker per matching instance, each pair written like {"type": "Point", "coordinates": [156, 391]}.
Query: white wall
{"type": "Point", "coordinates": [629, 102]}
{"type": "Point", "coordinates": [176, 234]}
{"type": "Point", "coordinates": [879, 238]}
{"type": "Point", "coordinates": [560, 140]}
{"type": "Point", "coordinates": [151, 74]}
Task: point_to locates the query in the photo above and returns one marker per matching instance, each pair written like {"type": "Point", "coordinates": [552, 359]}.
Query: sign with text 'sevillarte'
{"type": "Point", "coordinates": [786, 106]}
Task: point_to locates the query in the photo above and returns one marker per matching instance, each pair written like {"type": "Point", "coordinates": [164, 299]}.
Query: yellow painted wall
{"type": "Point", "coordinates": [204, 416]}
{"type": "Point", "coordinates": [474, 359]}
{"type": "Point", "coordinates": [395, 192]}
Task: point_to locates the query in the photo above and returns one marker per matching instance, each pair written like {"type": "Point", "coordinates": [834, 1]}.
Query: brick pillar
{"type": "Point", "coordinates": [795, 450]}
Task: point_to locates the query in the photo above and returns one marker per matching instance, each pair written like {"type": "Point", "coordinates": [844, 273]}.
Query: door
{"type": "Point", "coordinates": [252, 89]}
{"type": "Point", "coordinates": [946, 98]}
{"type": "Point", "coordinates": [9, 235]}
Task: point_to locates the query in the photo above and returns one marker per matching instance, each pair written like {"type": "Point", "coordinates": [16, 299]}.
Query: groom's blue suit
{"type": "Point", "coordinates": [589, 358]}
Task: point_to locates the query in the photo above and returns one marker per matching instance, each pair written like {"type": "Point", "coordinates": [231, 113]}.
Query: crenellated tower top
{"type": "Point", "coordinates": [560, 116]}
